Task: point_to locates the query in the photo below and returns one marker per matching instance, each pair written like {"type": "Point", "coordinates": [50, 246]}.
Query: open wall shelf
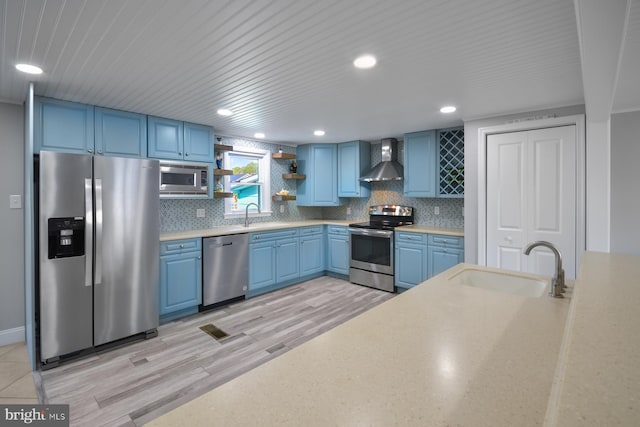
{"type": "Point", "coordinates": [287, 156]}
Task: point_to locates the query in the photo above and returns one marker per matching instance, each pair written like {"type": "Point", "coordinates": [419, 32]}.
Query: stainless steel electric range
{"type": "Point", "coordinates": [371, 246]}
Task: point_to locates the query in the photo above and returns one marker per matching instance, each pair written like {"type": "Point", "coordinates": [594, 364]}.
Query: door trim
{"type": "Point", "coordinates": [579, 122]}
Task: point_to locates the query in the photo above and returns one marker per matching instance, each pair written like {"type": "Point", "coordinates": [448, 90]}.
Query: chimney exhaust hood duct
{"type": "Point", "coordinates": [388, 169]}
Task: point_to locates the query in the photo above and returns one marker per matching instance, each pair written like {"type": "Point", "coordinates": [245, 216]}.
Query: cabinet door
{"type": "Point", "coordinates": [120, 133]}
{"type": "Point", "coordinates": [411, 265]}
{"type": "Point", "coordinates": [420, 164]}
{"type": "Point", "coordinates": [63, 126]}
{"type": "Point", "coordinates": [165, 138]}
{"type": "Point", "coordinates": [319, 163]}
{"type": "Point", "coordinates": [311, 255]}
{"type": "Point", "coordinates": [441, 259]}
{"type": "Point", "coordinates": [262, 265]}
{"type": "Point", "coordinates": [287, 253]}
{"type": "Point", "coordinates": [338, 254]}
{"type": "Point", "coordinates": [354, 158]}
{"type": "Point", "coordinates": [198, 143]}
{"type": "Point", "coordinates": [325, 175]}
{"type": "Point", "coordinates": [180, 282]}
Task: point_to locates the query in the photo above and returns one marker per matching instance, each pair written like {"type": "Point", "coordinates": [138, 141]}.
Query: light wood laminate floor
{"type": "Point", "coordinates": [134, 384]}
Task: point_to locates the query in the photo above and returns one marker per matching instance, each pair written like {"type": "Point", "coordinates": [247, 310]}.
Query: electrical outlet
{"type": "Point", "coordinates": [200, 213]}
{"type": "Point", "coordinates": [436, 210]}
{"type": "Point", "coordinates": [281, 208]}
{"type": "Point", "coordinates": [348, 211]}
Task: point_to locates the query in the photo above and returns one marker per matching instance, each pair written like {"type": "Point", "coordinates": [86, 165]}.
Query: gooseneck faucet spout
{"type": "Point", "coordinates": [246, 213]}
{"type": "Point", "coordinates": [557, 283]}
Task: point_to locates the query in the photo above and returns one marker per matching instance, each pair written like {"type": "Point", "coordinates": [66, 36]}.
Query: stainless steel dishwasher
{"type": "Point", "coordinates": [225, 269]}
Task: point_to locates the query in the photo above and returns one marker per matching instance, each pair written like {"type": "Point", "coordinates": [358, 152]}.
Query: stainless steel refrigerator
{"type": "Point", "coordinates": [98, 251]}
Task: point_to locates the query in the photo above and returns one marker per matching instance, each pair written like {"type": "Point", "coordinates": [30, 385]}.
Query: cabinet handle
{"type": "Point", "coordinates": [445, 250]}
{"type": "Point", "coordinates": [186, 154]}
{"type": "Point", "coordinates": [99, 151]}
{"type": "Point", "coordinates": [181, 246]}
{"type": "Point", "coordinates": [179, 153]}
{"type": "Point", "coordinates": [89, 150]}
{"type": "Point", "coordinates": [199, 257]}
{"type": "Point", "coordinates": [257, 237]}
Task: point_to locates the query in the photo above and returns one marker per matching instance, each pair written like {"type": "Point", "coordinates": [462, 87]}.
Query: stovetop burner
{"type": "Point", "coordinates": [387, 217]}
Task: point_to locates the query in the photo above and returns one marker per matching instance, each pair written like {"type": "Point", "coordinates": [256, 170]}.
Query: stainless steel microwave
{"type": "Point", "coordinates": [182, 179]}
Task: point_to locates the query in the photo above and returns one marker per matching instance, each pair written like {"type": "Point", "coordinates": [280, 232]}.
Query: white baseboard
{"type": "Point", "coordinates": [10, 336]}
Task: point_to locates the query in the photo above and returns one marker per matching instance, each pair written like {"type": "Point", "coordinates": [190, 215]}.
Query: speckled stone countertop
{"type": "Point", "coordinates": [598, 378]}
{"type": "Point", "coordinates": [269, 226]}
{"type": "Point", "coordinates": [427, 229]}
{"type": "Point", "coordinates": [440, 354]}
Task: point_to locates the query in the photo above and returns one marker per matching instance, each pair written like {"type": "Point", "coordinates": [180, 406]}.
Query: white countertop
{"type": "Point", "coordinates": [598, 382]}
{"type": "Point", "coordinates": [438, 354]}
{"type": "Point", "coordinates": [269, 226]}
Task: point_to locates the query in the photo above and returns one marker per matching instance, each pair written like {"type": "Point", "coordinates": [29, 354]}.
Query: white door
{"type": "Point", "coordinates": [531, 195]}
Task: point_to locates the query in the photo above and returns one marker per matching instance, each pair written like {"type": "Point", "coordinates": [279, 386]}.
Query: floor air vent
{"type": "Point", "coordinates": [214, 331]}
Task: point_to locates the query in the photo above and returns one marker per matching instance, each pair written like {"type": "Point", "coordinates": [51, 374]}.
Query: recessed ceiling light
{"type": "Point", "coordinates": [448, 109]}
{"type": "Point", "coordinates": [29, 69]}
{"type": "Point", "coordinates": [224, 112]}
{"type": "Point", "coordinates": [365, 61]}
{"type": "Point", "coordinates": [259, 135]}
{"type": "Point", "coordinates": [318, 132]}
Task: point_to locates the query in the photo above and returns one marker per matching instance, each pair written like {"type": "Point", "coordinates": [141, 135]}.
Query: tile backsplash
{"type": "Point", "coordinates": [177, 215]}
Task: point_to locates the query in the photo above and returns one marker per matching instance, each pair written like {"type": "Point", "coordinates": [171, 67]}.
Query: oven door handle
{"type": "Point", "coordinates": [371, 232]}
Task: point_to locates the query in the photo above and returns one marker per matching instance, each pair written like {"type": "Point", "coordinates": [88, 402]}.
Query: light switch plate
{"type": "Point", "coordinates": [348, 211]}
{"type": "Point", "coordinates": [15, 201]}
{"type": "Point", "coordinates": [281, 208]}
{"type": "Point", "coordinates": [200, 213]}
{"type": "Point", "coordinates": [436, 210]}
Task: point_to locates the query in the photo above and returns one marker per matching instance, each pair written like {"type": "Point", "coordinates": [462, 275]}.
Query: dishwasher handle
{"type": "Point", "coordinates": [219, 245]}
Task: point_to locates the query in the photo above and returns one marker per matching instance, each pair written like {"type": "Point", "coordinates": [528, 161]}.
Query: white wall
{"type": "Point", "coordinates": [471, 169]}
{"type": "Point", "coordinates": [625, 196]}
{"type": "Point", "coordinates": [12, 317]}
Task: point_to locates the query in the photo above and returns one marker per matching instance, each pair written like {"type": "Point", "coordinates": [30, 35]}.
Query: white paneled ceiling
{"type": "Point", "coordinates": [285, 66]}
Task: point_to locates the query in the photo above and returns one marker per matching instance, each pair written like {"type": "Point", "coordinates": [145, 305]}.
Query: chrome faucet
{"type": "Point", "coordinates": [246, 213]}
{"type": "Point", "coordinates": [557, 283]}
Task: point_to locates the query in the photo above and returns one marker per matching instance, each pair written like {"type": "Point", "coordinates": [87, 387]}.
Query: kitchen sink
{"type": "Point", "coordinates": [515, 283]}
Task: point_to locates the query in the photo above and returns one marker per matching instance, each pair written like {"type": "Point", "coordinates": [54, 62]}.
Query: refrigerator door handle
{"type": "Point", "coordinates": [88, 235]}
{"type": "Point", "coordinates": [98, 270]}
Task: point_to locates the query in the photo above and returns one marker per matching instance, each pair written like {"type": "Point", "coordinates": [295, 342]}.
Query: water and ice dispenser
{"type": "Point", "coordinates": [66, 237]}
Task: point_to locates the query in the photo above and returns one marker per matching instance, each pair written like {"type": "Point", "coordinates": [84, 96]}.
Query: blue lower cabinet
{"type": "Point", "coordinates": [180, 276]}
{"type": "Point", "coordinates": [273, 260]}
{"type": "Point", "coordinates": [441, 259]}
{"type": "Point", "coordinates": [287, 256]}
{"type": "Point", "coordinates": [311, 254]}
{"type": "Point", "coordinates": [262, 265]}
{"type": "Point", "coordinates": [338, 253]}
{"type": "Point", "coordinates": [410, 265]}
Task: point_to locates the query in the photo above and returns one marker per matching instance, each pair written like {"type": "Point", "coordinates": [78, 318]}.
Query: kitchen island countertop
{"type": "Point", "coordinates": [438, 354]}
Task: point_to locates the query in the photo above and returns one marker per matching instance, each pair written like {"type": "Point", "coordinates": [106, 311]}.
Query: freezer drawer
{"type": "Point", "coordinates": [225, 268]}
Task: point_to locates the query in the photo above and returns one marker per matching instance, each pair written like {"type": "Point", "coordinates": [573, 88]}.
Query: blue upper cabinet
{"type": "Point", "coordinates": [354, 159]}
{"type": "Point", "coordinates": [319, 162]}
{"type": "Point", "coordinates": [120, 133]}
{"type": "Point", "coordinates": [175, 140]}
{"type": "Point", "coordinates": [166, 139]}
{"type": "Point", "coordinates": [63, 126]}
{"type": "Point", "coordinates": [420, 160]}
{"type": "Point", "coordinates": [198, 143]}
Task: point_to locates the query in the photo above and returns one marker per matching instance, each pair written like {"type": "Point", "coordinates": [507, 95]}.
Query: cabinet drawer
{"type": "Point", "coordinates": [448, 241]}
{"type": "Point", "coordinates": [339, 230]}
{"type": "Point", "coordinates": [180, 246]}
{"type": "Point", "coordinates": [273, 235]}
{"type": "Point", "coordinates": [411, 237]}
{"type": "Point", "coordinates": [314, 229]}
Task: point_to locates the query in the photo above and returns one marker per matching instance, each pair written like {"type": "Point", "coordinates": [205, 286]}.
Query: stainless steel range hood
{"type": "Point", "coordinates": [388, 169]}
